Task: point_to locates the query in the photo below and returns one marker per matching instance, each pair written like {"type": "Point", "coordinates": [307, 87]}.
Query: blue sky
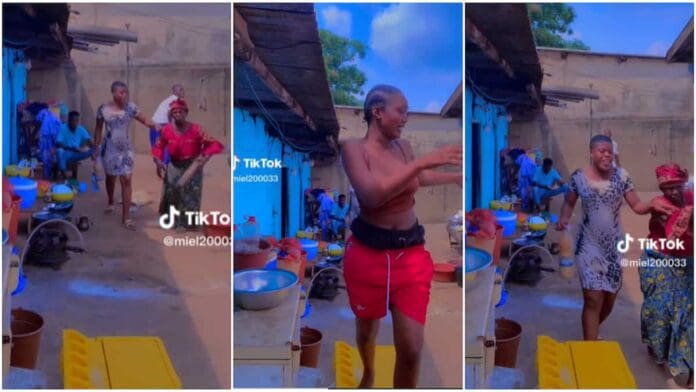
{"type": "Point", "coordinates": [416, 47]}
{"type": "Point", "coordinates": [638, 28]}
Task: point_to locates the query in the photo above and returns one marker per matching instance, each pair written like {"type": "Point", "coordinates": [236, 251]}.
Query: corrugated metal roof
{"type": "Point", "coordinates": [286, 39]}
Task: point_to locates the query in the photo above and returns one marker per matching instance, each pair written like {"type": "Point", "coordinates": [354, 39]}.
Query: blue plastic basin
{"type": "Point", "coordinates": [508, 220]}
{"type": "Point", "coordinates": [26, 189]}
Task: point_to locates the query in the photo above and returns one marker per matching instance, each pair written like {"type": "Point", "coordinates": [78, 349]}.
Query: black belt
{"type": "Point", "coordinates": [383, 239]}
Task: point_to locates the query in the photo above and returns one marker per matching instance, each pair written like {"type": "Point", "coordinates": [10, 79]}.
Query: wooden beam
{"type": "Point", "coordinates": [534, 94]}
{"type": "Point", "coordinates": [244, 50]}
{"type": "Point", "coordinates": [475, 35]}
{"type": "Point", "coordinates": [686, 35]}
{"type": "Point", "coordinates": [571, 92]}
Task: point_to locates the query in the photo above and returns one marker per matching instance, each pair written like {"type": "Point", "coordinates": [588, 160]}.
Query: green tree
{"type": "Point", "coordinates": [550, 21]}
{"type": "Point", "coordinates": [345, 79]}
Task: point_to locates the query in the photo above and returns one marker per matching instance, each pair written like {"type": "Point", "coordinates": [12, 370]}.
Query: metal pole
{"type": "Point", "coordinates": [128, 58]}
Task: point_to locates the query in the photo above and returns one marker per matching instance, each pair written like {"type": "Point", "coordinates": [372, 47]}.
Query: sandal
{"type": "Point", "coordinates": [129, 224]}
{"type": "Point", "coordinates": [109, 209]}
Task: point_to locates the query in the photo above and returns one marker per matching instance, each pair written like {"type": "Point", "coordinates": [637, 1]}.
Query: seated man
{"type": "Point", "coordinates": [544, 180]}
{"type": "Point", "coordinates": [70, 144]}
{"type": "Point", "coordinates": [338, 217]}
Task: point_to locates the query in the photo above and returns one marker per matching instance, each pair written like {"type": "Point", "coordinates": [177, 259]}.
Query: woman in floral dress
{"type": "Point", "coordinates": [602, 189]}
{"type": "Point", "coordinates": [117, 150]}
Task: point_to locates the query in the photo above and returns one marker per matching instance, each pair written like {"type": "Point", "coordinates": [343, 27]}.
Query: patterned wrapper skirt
{"type": "Point", "coordinates": [667, 314]}
{"type": "Point", "coordinates": [186, 198]}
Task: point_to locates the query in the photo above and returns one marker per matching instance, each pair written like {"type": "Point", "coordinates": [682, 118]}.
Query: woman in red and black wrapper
{"type": "Point", "coordinates": [187, 145]}
{"type": "Point", "coordinates": [666, 280]}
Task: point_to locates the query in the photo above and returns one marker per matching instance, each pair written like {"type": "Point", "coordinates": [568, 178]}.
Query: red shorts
{"type": "Point", "coordinates": [376, 279]}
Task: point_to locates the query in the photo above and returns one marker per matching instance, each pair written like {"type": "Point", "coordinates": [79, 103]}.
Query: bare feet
{"type": "Point", "coordinates": [368, 379]}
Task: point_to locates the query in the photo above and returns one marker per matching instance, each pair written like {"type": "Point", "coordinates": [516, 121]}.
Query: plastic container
{"type": "Point", "coordinates": [13, 221]}
{"type": "Point", "coordinates": [566, 244]}
{"type": "Point", "coordinates": [311, 247]}
{"type": "Point", "coordinates": [252, 260]}
{"type": "Point", "coordinates": [26, 338]}
{"type": "Point", "coordinates": [61, 192]}
{"type": "Point", "coordinates": [567, 268]}
{"type": "Point", "coordinates": [310, 340]}
{"type": "Point", "coordinates": [508, 220]}
{"type": "Point", "coordinates": [27, 189]}
{"type": "Point", "coordinates": [116, 362]}
{"type": "Point", "coordinates": [249, 236]}
{"type": "Point", "coordinates": [507, 342]}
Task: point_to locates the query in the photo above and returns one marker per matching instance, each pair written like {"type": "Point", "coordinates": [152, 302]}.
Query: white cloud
{"type": "Point", "coordinates": [339, 22]}
{"type": "Point", "coordinates": [403, 33]}
{"type": "Point", "coordinates": [433, 107]}
{"type": "Point", "coordinates": [658, 48]}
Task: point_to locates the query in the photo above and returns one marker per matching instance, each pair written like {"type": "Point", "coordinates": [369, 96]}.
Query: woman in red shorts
{"type": "Point", "coordinates": [386, 265]}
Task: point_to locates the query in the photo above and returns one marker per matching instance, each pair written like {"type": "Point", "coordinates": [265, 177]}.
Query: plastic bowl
{"type": "Point", "coordinates": [260, 289]}
{"type": "Point", "coordinates": [475, 260]}
{"type": "Point", "coordinates": [508, 220]}
{"type": "Point", "coordinates": [538, 226]}
{"type": "Point", "coordinates": [61, 193]}
{"type": "Point", "coordinates": [11, 170]}
{"type": "Point", "coordinates": [26, 189]}
{"type": "Point", "coordinates": [23, 171]}
{"type": "Point", "coordinates": [311, 247]}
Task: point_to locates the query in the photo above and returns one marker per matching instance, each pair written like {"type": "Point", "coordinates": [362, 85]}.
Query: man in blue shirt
{"type": "Point", "coordinates": [338, 217]}
{"type": "Point", "coordinates": [73, 144]}
{"type": "Point", "coordinates": [545, 178]}
{"type": "Point", "coordinates": [325, 207]}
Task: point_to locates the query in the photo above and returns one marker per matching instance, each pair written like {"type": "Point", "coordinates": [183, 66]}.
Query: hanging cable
{"type": "Point", "coordinates": [271, 121]}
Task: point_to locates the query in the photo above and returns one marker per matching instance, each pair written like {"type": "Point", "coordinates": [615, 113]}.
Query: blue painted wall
{"type": "Point", "coordinates": [14, 81]}
{"type": "Point", "coordinates": [492, 120]}
{"type": "Point", "coordinates": [468, 108]}
{"type": "Point", "coordinates": [263, 199]}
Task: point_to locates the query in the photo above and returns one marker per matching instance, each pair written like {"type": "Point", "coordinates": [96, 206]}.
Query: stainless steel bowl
{"type": "Point", "coordinates": [258, 289]}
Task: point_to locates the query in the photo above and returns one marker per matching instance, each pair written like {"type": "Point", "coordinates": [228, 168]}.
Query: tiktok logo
{"type": "Point", "coordinates": [167, 221]}
{"type": "Point", "coordinates": [622, 246]}
{"type": "Point", "coordinates": [235, 162]}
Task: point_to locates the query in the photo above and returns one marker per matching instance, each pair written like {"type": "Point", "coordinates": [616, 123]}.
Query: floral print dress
{"type": "Point", "coordinates": [118, 150]}
{"type": "Point", "coordinates": [596, 254]}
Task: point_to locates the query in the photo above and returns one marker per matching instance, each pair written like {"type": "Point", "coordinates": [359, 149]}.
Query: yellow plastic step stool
{"type": "Point", "coordinates": [582, 365]}
{"type": "Point", "coordinates": [114, 362]}
{"type": "Point", "coordinates": [348, 366]}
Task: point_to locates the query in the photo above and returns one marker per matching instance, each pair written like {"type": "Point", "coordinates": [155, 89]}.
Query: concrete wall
{"type": "Point", "coordinates": [425, 132]}
{"type": "Point", "coordinates": [177, 43]}
{"type": "Point", "coordinates": [647, 103]}
{"type": "Point", "coordinates": [263, 199]}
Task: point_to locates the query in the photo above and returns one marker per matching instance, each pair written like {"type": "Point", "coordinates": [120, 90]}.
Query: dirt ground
{"type": "Point", "coordinates": [442, 361]}
{"type": "Point", "coordinates": [129, 283]}
{"type": "Point", "coordinates": [553, 308]}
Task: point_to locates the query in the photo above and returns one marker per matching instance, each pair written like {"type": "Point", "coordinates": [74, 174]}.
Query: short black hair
{"type": "Point", "coordinates": [547, 162]}
{"type": "Point", "coordinates": [341, 195]}
{"type": "Point", "coordinates": [118, 84]}
{"type": "Point", "coordinates": [73, 113]}
{"type": "Point", "coordinates": [377, 97]}
{"type": "Point", "coordinates": [596, 139]}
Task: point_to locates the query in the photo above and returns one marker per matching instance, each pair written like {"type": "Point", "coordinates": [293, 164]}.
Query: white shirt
{"type": "Point", "coordinates": [161, 115]}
